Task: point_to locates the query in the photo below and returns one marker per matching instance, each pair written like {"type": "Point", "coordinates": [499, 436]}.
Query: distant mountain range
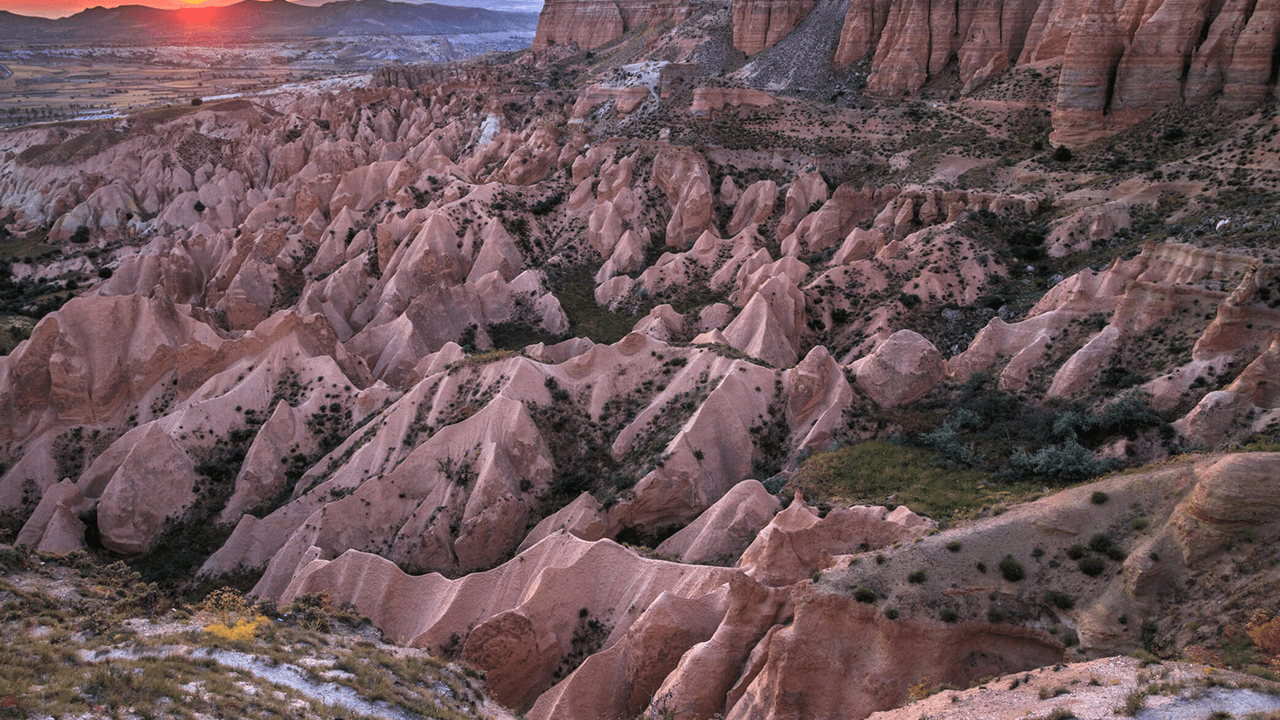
{"type": "Point", "coordinates": [518, 6]}
{"type": "Point", "coordinates": [252, 20]}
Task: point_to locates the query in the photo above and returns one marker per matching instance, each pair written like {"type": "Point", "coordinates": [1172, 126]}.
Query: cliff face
{"type": "Point", "coordinates": [760, 24]}
{"type": "Point", "coordinates": [592, 23]}
{"type": "Point", "coordinates": [1122, 60]}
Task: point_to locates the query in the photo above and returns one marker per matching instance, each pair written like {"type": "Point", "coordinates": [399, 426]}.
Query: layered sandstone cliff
{"type": "Point", "coordinates": [1121, 61]}
{"type": "Point", "coordinates": [592, 23]}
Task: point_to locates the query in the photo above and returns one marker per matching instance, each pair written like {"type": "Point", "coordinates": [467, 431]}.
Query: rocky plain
{"type": "Point", "coordinates": [759, 360]}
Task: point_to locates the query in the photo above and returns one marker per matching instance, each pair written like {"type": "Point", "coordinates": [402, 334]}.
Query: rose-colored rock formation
{"type": "Point", "coordinates": [590, 23]}
{"type": "Point", "coordinates": [797, 542]}
{"type": "Point", "coordinates": [717, 641]}
{"type": "Point", "coordinates": [903, 368]}
{"type": "Point", "coordinates": [1120, 62]}
{"type": "Point", "coordinates": [760, 24]}
{"type": "Point", "coordinates": [720, 534]}
{"type": "Point", "coordinates": [1096, 686]}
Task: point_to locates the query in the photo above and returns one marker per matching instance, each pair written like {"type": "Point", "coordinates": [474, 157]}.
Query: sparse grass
{"type": "Point", "coordinates": [49, 662]}
{"type": "Point", "coordinates": [1133, 702]}
{"type": "Point", "coordinates": [870, 472]}
{"type": "Point", "coordinates": [1047, 692]}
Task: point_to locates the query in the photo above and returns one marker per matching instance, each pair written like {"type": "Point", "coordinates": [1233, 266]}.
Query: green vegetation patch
{"type": "Point", "coordinates": [871, 472]}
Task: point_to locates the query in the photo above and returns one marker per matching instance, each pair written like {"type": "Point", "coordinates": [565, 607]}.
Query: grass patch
{"type": "Point", "coordinates": [576, 292]}
{"type": "Point", "coordinates": [869, 472]}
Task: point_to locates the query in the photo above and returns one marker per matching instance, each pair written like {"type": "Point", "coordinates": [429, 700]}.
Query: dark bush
{"type": "Point", "coordinates": [105, 273]}
{"type": "Point", "coordinates": [1077, 551]}
{"type": "Point", "coordinates": [1092, 566]}
{"type": "Point", "coordinates": [864, 594]}
{"type": "Point", "coordinates": [916, 577]}
{"type": "Point", "coordinates": [197, 102]}
{"type": "Point", "coordinates": [1060, 600]}
{"type": "Point", "coordinates": [1011, 569]}
{"type": "Point", "coordinates": [1098, 497]}
{"type": "Point", "coordinates": [948, 615]}
{"type": "Point", "coordinates": [1062, 154]}
{"type": "Point", "coordinates": [1100, 542]}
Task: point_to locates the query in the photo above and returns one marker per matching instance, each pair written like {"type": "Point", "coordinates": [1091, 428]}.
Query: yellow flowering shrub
{"type": "Point", "coordinates": [242, 631]}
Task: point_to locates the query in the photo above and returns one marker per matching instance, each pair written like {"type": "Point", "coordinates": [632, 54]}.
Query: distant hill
{"type": "Point", "coordinates": [253, 20]}
{"type": "Point", "coordinates": [517, 6]}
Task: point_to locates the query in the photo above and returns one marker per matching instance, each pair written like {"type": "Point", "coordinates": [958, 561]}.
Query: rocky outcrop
{"type": "Point", "coordinates": [1103, 683]}
{"type": "Point", "coordinates": [797, 542]}
{"type": "Point", "coordinates": [591, 23]}
{"type": "Point", "coordinates": [1237, 493]}
{"type": "Point", "coordinates": [902, 369]}
{"type": "Point", "coordinates": [789, 672]}
{"type": "Point", "coordinates": [682, 174]}
{"type": "Point", "coordinates": [720, 534]}
{"type": "Point", "coordinates": [1120, 62]}
{"type": "Point", "coordinates": [760, 24]}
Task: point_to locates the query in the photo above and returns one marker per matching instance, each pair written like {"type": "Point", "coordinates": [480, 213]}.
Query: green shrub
{"type": "Point", "coordinates": [1077, 551]}
{"type": "Point", "coordinates": [1115, 552]}
{"type": "Point", "coordinates": [864, 594]}
{"type": "Point", "coordinates": [1098, 497]}
{"type": "Point", "coordinates": [948, 615]}
{"type": "Point", "coordinates": [1011, 569]}
{"type": "Point", "coordinates": [1060, 600]}
{"type": "Point", "coordinates": [950, 446]}
{"type": "Point", "coordinates": [954, 546]}
{"type": "Point", "coordinates": [1100, 542]}
{"type": "Point", "coordinates": [891, 613]}
{"type": "Point", "coordinates": [1066, 462]}
{"type": "Point", "coordinates": [1092, 566]}
{"type": "Point", "coordinates": [995, 616]}
{"type": "Point", "coordinates": [916, 577]}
